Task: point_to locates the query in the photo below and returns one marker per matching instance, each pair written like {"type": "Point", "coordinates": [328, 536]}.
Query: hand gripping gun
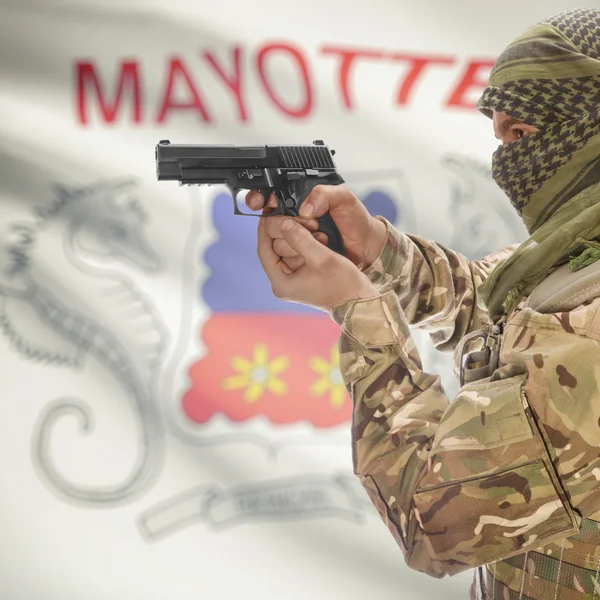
{"type": "Point", "coordinates": [288, 172]}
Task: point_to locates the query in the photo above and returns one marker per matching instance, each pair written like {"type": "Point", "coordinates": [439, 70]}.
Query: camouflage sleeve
{"type": "Point", "coordinates": [436, 286]}
{"type": "Point", "coordinates": [458, 484]}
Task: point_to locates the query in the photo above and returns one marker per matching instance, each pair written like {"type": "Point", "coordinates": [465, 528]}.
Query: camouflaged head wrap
{"type": "Point", "coordinates": [549, 78]}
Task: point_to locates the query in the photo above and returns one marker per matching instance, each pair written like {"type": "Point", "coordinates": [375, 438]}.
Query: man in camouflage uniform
{"type": "Point", "coordinates": [505, 477]}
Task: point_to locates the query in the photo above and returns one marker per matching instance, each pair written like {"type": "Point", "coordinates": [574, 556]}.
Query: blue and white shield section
{"type": "Point", "coordinates": [265, 361]}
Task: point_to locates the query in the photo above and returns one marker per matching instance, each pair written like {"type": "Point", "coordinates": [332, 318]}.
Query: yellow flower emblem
{"type": "Point", "coordinates": [257, 375]}
{"type": "Point", "coordinates": [331, 379]}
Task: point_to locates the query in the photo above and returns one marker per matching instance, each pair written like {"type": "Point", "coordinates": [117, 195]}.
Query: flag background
{"type": "Point", "coordinates": [168, 428]}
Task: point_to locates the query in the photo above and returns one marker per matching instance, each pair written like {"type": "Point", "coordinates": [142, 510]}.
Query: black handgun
{"type": "Point", "coordinates": [288, 172]}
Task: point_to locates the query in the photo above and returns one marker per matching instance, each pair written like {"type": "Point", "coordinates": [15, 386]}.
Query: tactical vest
{"type": "Point", "coordinates": [569, 570]}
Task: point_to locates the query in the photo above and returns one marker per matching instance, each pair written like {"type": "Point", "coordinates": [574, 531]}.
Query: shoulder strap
{"type": "Point", "coordinates": [563, 290]}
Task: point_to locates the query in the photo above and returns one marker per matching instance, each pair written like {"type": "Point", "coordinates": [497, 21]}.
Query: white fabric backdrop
{"type": "Point", "coordinates": [124, 301]}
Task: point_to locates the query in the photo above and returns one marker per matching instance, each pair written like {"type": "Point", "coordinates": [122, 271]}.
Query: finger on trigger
{"type": "Point", "coordinates": [254, 200]}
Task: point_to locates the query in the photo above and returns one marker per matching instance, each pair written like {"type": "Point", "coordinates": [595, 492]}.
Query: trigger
{"type": "Point", "coordinates": [279, 207]}
{"type": "Point", "coordinates": [266, 194]}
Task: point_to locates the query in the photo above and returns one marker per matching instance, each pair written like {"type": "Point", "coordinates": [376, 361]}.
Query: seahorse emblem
{"type": "Point", "coordinates": [66, 300]}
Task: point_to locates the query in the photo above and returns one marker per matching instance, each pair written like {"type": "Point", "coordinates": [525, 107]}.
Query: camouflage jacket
{"type": "Point", "coordinates": [511, 463]}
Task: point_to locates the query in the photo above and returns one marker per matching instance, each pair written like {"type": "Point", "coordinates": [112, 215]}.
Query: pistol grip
{"type": "Point", "coordinates": [326, 223]}
{"type": "Point", "coordinates": [289, 203]}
